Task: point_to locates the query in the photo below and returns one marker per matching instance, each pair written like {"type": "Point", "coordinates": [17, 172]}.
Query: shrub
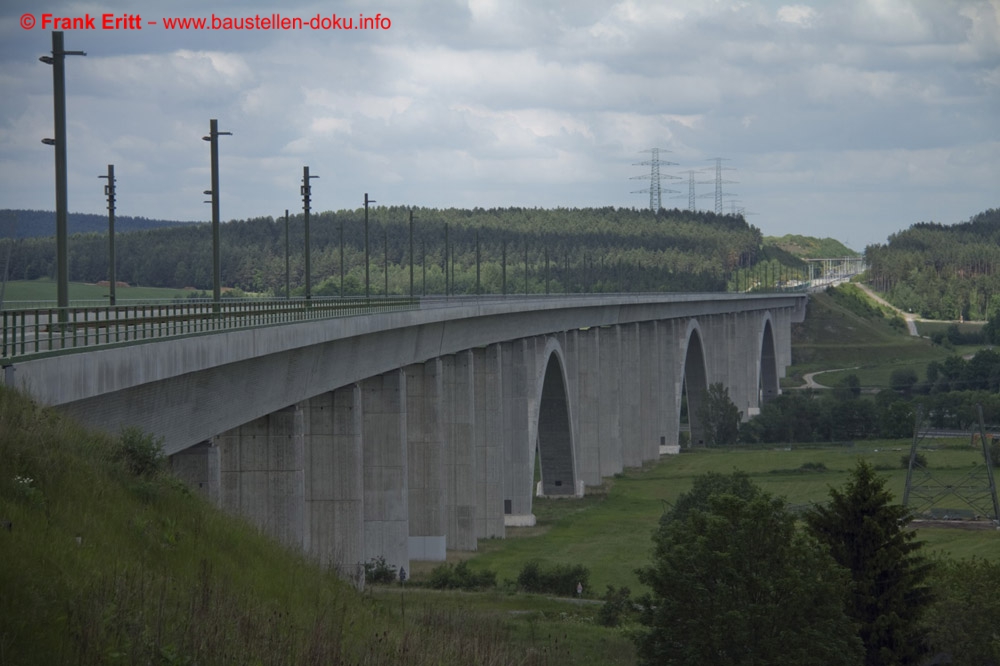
{"type": "Point", "coordinates": [920, 460]}
{"type": "Point", "coordinates": [140, 453]}
{"type": "Point", "coordinates": [617, 607]}
{"type": "Point", "coordinates": [461, 577]}
{"type": "Point", "coordinates": [560, 579]}
{"type": "Point", "coordinates": [379, 572]}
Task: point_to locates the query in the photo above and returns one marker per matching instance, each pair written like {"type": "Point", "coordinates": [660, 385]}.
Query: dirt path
{"type": "Point", "coordinates": [911, 319]}
{"type": "Point", "coordinates": [811, 383]}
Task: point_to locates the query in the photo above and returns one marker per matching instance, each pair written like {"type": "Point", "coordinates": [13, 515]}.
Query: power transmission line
{"type": "Point", "coordinates": [655, 190]}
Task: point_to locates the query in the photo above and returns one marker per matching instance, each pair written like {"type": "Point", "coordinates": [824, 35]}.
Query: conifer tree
{"type": "Point", "coordinates": [866, 534]}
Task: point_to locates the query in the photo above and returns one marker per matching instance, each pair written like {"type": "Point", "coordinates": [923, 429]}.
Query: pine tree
{"type": "Point", "coordinates": [867, 535]}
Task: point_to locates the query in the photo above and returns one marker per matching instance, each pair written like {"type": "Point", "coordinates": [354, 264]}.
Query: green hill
{"type": "Point", "coordinates": [941, 271]}
{"type": "Point", "coordinates": [809, 247]}
{"type": "Point", "coordinates": [843, 328]}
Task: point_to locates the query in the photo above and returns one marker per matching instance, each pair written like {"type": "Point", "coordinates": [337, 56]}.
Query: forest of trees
{"type": "Point", "coordinates": [941, 272]}
{"type": "Point", "coordinates": [566, 250]}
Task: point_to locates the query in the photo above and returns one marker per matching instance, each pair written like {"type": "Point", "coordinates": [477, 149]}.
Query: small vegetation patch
{"type": "Point", "coordinates": [804, 468]}
{"type": "Point", "coordinates": [461, 577]}
{"type": "Point", "coordinates": [562, 579]}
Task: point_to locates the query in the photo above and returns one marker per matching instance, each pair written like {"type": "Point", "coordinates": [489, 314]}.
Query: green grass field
{"type": "Point", "coordinates": [34, 291]}
{"type": "Point", "coordinates": [610, 531]}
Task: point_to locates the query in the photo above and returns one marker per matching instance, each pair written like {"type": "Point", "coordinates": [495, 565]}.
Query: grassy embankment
{"type": "Point", "coordinates": [102, 565]}
{"type": "Point", "coordinates": [848, 330]}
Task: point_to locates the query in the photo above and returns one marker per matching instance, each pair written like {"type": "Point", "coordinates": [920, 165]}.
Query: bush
{"type": "Point", "coordinates": [461, 577]}
{"type": "Point", "coordinates": [617, 607]}
{"type": "Point", "coordinates": [560, 579]}
{"type": "Point", "coordinates": [379, 572]}
{"type": "Point", "coordinates": [921, 460]}
{"type": "Point", "coordinates": [140, 453]}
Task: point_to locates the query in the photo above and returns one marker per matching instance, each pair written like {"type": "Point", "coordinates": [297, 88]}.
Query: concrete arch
{"type": "Point", "coordinates": [767, 371]}
{"type": "Point", "coordinates": [553, 425]}
{"type": "Point", "coordinates": [694, 373]}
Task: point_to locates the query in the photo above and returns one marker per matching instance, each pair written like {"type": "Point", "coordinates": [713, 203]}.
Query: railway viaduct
{"type": "Point", "coordinates": [408, 432]}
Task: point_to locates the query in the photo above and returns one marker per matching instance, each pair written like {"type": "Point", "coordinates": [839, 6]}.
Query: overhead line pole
{"type": "Point", "coordinates": [58, 62]}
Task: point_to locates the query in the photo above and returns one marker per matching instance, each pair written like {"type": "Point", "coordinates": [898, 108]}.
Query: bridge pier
{"type": "Point", "coordinates": [261, 473]}
{"type": "Point", "coordinates": [386, 492]}
{"type": "Point", "coordinates": [334, 495]}
{"type": "Point", "coordinates": [460, 472]}
{"type": "Point", "coordinates": [198, 467]}
{"type": "Point", "coordinates": [488, 440]}
{"type": "Point", "coordinates": [428, 467]}
{"type": "Point", "coordinates": [626, 373]}
{"type": "Point", "coordinates": [518, 440]}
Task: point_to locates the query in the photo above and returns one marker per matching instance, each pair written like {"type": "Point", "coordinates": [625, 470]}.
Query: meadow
{"type": "Point", "coordinates": [35, 293]}
{"type": "Point", "coordinates": [611, 528]}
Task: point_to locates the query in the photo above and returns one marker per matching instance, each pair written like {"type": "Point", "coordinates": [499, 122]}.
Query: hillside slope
{"type": "Point", "coordinates": [845, 329]}
{"type": "Point", "coordinates": [108, 561]}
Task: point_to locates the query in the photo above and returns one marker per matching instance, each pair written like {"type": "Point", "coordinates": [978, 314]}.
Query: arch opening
{"type": "Point", "coordinates": [555, 441]}
{"type": "Point", "coordinates": [695, 387]}
{"type": "Point", "coordinates": [767, 386]}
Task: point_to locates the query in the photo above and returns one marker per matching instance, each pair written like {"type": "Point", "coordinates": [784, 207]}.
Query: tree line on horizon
{"type": "Point", "coordinates": [557, 250]}
{"type": "Point", "coordinates": [939, 271]}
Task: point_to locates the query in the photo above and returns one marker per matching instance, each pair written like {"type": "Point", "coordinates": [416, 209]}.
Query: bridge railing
{"type": "Point", "coordinates": [48, 330]}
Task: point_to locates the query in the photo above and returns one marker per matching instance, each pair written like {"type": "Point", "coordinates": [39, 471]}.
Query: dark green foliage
{"type": "Point", "coordinates": [991, 331]}
{"type": "Point", "coordinates": [734, 582]}
{"type": "Point", "coordinates": [867, 535]}
{"type": "Point", "coordinates": [737, 483]}
{"type": "Point", "coordinates": [461, 577]}
{"type": "Point", "coordinates": [380, 572]}
{"type": "Point", "coordinates": [995, 452]}
{"type": "Point", "coordinates": [919, 459]}
{"type": "Point", "coordinates": [591, 249]}
{"type": "Point", "coordinates": [962, 622]}
{"type": "Point", "coordinates": [719, 417]}
{"type": "Point", "coordinates": [980, 373]}
{"type": "Point", "coordinates": [560, 579]}
{"type": "Point", "coordinates": [140, 453]}
{"type": "Point", "coordinates": [941, 272]}
{"type": "Point", "coordinates": [902, 379]}
{"type": "Point", "coordinates": [616, 608]}
{"type": "Point", "coordinates": [852, 386]}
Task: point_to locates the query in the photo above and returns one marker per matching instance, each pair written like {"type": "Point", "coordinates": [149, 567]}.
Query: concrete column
{"type": "Point", "coordinates": [334, 492]}
{"type": "Point", "coordinates": [650, 388]}
{"type": "Point", "coordinates": [428, 468]}
{"type": "Point", "coordinates": [588, 412]}
{"type": "Point", "coordinates": [383, 400]}
{"type": "Point", "coordinates": [671, 342]}
{"type": "Point", "coordinates": [519, 458]}
{"type": "Point", "coordinates": [632, 394]}
{"type": "Point", "coordinates": [198, 467]}
{"type": "Point", "coordinates": [488, 439]}
{"type": "Point", "coordinates": [261, 468]}
{"type": "Point", "coordinates": [568, 340]}
{"type": "Point", "coordinates": [458, 423]}
{"type": "Point", "coordinates": [614, 346]}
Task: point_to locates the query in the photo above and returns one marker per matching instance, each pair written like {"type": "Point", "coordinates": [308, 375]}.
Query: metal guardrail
{"type": "Point", "coordinates": [50, 330]}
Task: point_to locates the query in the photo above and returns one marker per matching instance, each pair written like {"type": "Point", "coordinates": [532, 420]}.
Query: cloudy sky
{"type": "Point", "coordinates": [848, 118]}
